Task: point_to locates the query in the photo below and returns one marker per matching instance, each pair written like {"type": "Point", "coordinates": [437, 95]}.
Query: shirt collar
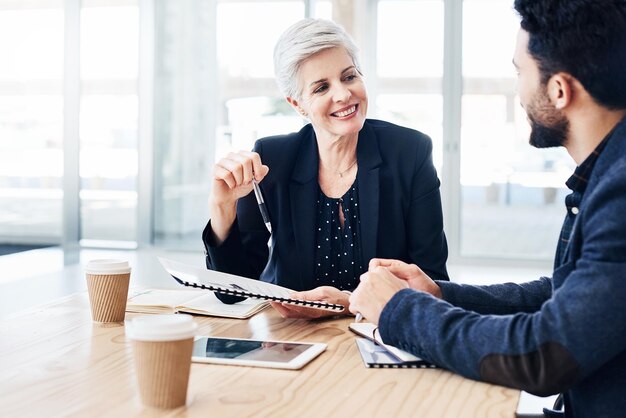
{"type": "Point", "coordinates": [578, 181]}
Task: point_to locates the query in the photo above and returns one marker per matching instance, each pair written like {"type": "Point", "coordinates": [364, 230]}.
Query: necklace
{"type": "Point", "coordinates": [341, 173]}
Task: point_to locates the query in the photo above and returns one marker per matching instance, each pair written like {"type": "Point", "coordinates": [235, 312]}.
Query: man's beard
{"type": "Point", "coordinates": [549, 127]}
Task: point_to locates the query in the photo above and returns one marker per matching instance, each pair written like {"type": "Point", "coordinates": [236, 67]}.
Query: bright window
{"type": "Point", "coordinates": [511, 194]}
{"type": "Point", "coordinates": [108, 121]}
{"type": "Point", "coordinates": [31, 123]}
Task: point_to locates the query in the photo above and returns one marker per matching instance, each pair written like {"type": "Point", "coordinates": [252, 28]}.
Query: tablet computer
{"type": "Point", "coordinates": [256, 353]}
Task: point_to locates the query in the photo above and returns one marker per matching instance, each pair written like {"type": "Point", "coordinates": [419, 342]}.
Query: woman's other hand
{"type": "Point", "coordinates": [319, 294]}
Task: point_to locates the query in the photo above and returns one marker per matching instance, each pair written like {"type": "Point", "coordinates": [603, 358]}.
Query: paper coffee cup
{"type": "Point", "coordinates": [162, 347]}
{"type": "Point", "coordinates": [107, 285]}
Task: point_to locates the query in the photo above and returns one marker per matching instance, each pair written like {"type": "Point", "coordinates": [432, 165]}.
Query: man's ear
{"type": "Point", "coordinates": [560, 90]}
{"type": "Point", "coordinates": [296, 106]}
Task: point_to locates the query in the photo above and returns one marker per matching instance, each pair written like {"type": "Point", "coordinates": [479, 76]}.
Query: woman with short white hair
{"type": "Point", "coordinates": [340, 192]}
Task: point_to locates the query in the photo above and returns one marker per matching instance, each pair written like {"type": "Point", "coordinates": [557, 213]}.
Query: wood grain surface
{"type": "Point", "coordinates": [55, 362]}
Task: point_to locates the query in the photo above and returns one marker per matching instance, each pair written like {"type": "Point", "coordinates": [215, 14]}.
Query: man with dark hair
{"type": "Point", "coordinates": [561, 334]}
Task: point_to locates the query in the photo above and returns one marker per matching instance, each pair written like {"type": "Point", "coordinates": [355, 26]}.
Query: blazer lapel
{"type": "Point", "coordinates": [303, 197]}
{"type": "Point", "coordinates": [368, 156]}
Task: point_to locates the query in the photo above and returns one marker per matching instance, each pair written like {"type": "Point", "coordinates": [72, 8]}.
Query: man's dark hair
{"type": "Point", "coordinates": [585, 38]}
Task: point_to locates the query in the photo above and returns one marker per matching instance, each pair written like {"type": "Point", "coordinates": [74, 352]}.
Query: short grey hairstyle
{"type": "Point", "coordinates": [302, 40]}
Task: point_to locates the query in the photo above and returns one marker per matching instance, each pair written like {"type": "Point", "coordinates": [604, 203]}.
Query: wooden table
{"type": "Point", "coordinates": [55, 362]}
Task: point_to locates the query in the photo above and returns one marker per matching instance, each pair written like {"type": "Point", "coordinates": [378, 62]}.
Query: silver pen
{"type": "Point", "coordinates": [261, 202]}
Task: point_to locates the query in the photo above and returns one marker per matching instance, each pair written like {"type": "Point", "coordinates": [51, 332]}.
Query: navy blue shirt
{"type": "Point", "coordinates": [577, 183]}
{"type": "Point", "coordinates": [338, 260]}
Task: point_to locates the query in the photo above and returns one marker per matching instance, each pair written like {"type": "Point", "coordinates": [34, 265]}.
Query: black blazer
{"type": "Point", "coordinates": [400, 208]}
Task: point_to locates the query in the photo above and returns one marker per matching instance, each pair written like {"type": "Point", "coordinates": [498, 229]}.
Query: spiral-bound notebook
{"type": "Point", "coordinates": [231, 284]}
{"type": "Point", "coordinates": [375, 353]}
{"type": "Point", "coordinates": [377, 357]}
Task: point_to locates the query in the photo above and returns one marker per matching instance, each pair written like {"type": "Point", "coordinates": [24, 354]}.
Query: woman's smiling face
{"type": "Point", "coordinates": [333, 95]}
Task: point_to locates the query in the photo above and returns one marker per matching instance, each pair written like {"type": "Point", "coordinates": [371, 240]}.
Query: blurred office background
{"type": "Point", "coordinates": [112, 113]}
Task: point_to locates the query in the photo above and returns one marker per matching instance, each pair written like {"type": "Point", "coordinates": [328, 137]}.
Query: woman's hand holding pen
{"type": "Point", "coordinates": [233, 174]}
{"type": "Point", "coordinates": [232, 180]}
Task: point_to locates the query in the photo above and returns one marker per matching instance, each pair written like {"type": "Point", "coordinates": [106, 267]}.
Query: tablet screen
{"type": "Point", "coordinates": [227, 348]}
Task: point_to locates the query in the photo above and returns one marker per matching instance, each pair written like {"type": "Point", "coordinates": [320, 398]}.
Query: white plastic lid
{"type": "Point", "coordinates": [161, 327]}
{"type": "Point", "coordinates": [107, 266]}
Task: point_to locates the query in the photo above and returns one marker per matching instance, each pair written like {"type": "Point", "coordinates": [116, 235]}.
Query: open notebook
{"type": "Point", "coordinates": [375, 353]}
{"type": "Point", "coordinates": [230, 284]}
{"type": "Point", "coordinates": [198, 302]}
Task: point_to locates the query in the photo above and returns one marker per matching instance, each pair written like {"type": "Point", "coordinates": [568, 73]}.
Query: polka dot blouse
{"type": "Point", "coordinates": [338, 250]}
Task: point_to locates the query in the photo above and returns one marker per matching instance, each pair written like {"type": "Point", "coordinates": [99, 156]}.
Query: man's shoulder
{"type": "Point", "coordinates": [613, 178]}
{"type": "Point", "coordinates": [604, 200]}
{"type": "Point", "coordinates": [613, 156]}
{"type": "Point", "coordinates": [611, 164]}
